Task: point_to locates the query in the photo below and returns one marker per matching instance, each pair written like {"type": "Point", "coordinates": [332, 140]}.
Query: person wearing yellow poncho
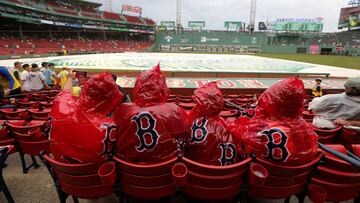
{"type": "Point", "coordinates": [63, 75]}
{"type": "Point", "coordinates": [317, 89]}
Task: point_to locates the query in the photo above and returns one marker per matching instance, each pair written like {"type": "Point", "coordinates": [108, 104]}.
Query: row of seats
{"type": "Point", "coordinates": [42, 46]}
{"type": "Point", "coordinates": [326, 178]}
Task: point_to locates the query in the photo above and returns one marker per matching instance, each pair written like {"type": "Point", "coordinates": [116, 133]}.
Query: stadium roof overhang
{"type": "Point", "coordinates": [71, 16]}
{"type": "Point", "coordinates": [89, 4]}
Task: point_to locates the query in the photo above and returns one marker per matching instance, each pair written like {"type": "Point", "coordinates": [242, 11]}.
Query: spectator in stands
{"type": "Point", "coordinates": [317, 89]}
{"type": "Point", "coordinates": [44, 65]}
{"type": "Point", "coordinates": [331, 107]}
{"type": "Point", "coordinates": [63, 75]}
{"type": "Point", "coordinates": [49, 74]}
{"type": "Point", "coordinates": [37, 78]}
{"type": "Point", "coordinates": [17, 70]}
{"type": "Point", "coordinates": [9, 82]}
{"type": "Point", "coordinates": [25, 78]}
{"type": "Point", "coordinates": [343, 122]}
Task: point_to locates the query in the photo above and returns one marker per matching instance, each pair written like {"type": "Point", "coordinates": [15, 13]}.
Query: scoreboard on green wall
{"type": "Point", "coordinates": [294, 24]}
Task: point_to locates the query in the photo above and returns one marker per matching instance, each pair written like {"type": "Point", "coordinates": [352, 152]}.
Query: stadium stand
{"type": "Point", "coordinates": [51, 27]}
{"type": "Point", "coordinates": [351, 37]}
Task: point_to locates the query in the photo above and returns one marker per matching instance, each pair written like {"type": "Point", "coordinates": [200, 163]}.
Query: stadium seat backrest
{"type": "Point", "coordinates": [327, 136]}
{"type": "Point", "coordinates": [79, 180]}
{"type": "Point", "coordinates": [9, 114]}
{"type": "Point", "coordinates": [340, 179]}
{"type": "Point", "coordinates": [207, 182]}
{"type": "Point", "coordinates": [334, 162]}
{"type": "Point", "coordinates": [21, 127]}
{"type": "Point", "coordinates": [146, 181]}
{"type": "Point", "coordinates": [349, 137]}
{"type": "Point", "coordinates": [283, 181]}
{"type": "Point", "coordinates": [39, 115]}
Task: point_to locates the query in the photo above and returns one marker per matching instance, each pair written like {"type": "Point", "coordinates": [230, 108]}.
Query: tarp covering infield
{"type": "Point", "coordinates": [194, 63]}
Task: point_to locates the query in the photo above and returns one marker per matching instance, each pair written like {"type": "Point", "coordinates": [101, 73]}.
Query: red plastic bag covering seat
{"type": "Point", "coordinates": [80, 129]}
{"type": "Point", "coordinates": [39, 115]}
{"type": "Point", "coordinates": [10, 114]}
{"type": "Point", "coordinates": [149, 126]}
{"type": "Point", "coordinates": [79, 180]}
{"type": "Point", "coordinates": [210, 140]}
{"type": "Point", "coordinates": [283, 181]}
{"type": "Point", "coordinates": [340, 179]}
{"type": "Point", "coordinates": [206, 182]}
{"type": "Point", "coordinates": [327, 136]}
{"type": "Point", "coordinates": [278, 132]}
{"type": "Point", "coordinates": [146, 181]}
{"type": "Point", "coordinates": [22, 127]}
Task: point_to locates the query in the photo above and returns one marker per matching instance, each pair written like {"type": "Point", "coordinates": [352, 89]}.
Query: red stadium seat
{"type": "Point", "coordinates": [46, 104]}
{"type": "Point", "coordinates": [283, 181]}
{"type": "Point", "coordinates": [205, 182]}
{"type": "Point", "coordinates": [327, 136]}
{"type": "Point", "coordinates": [13, 114]}
{"type": "Point", "coordinates": [187, 106]}
{"type": "Point", "coordinates": [24, 103]}
{"type": "Point", "coordinates": [28, 143]}
{"type": "Point", "coordinates": [308, 116]}
{"type": "Point", "coordinates": [356, 149]}
{"type": "Point", "coordinates": [244, 100]}
{"type": "Point", "coordinates": [147, 182]}
{"type": "Point", "coordinates": [22, 127]}
{"type": "Point", "coordinates": [86, 181]}
{"type": "Point", "coordinates": [232, 96]}
{"type": "Point", "coordinates": [41, 114]}
{"type": "Point", "coordinates": [340, 179]}
{"type": "Point", "coordinates": [5, 136]}
{"type": "Point", "coordinates": [229, 114]}
{"type": "Point", "coordinates": [347, 137]}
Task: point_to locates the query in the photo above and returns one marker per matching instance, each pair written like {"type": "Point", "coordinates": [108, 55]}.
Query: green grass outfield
{"type": "Point", "coordinates": [338, 61]}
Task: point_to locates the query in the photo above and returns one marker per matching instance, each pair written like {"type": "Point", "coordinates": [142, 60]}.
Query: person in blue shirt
{"type": "Point", "coordinates": [9, 82]}
{"type": "Point", "coordinates": [48, 73]}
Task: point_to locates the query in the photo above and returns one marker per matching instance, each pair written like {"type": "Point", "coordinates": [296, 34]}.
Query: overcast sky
{"type": "Point", "coordinates": [215, 12]}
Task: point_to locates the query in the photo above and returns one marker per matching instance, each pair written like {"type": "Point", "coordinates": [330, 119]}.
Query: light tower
{"type": "Point", "coordinates": [110, 5]}
{"type": "Point", "coordinates": [178, 16]}
{"type": "Point", "coordinates": [252, 17]}
{"type": "Point", "coordinates": [354, 3]}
